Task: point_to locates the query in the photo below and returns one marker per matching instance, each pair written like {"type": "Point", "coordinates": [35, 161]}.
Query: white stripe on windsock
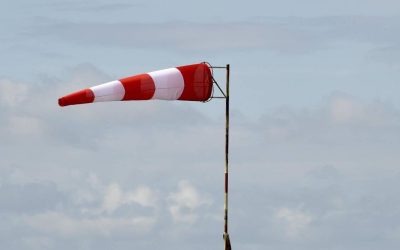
{"type": "Point", "coordinates": [168, 84]}
{"type": "Point", "coordinates": [110, 91]}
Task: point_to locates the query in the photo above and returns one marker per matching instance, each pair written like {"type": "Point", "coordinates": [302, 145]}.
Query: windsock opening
{"type": "Point", "coordinates": [198, 82]}
{"type": "Point", "coordinates": [79, 97]}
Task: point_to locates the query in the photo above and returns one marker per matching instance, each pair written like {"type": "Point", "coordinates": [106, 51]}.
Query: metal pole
{"type": "Point", "coordinates": [226, 235]}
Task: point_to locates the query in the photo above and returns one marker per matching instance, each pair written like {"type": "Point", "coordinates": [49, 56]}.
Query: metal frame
{"type": "Point", "coordinates": [225, 95]}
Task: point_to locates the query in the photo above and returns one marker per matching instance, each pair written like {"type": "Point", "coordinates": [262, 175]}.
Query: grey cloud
{"type": "Point", "coordinates": [338, 202]}
{"type": "Point", "coordinates": [316, 176]}
{"type": "Point", "coordinates": [388, 55]}
{"type": "Point", "coordinates": [90, 7]}
{"type": "Point", "coordinates": [286, 35]}
{"type": "Point", "coordinates": [338, 214]}
{"type": "Point", "coordinates": [30, 198]}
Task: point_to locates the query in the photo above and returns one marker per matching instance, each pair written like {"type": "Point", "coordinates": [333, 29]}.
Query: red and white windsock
{"type": "Point", "coordinates": [185, 83]}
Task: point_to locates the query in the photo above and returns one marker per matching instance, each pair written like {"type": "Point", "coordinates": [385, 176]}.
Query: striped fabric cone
{"type": "Point", "coordinates": [185, 83]}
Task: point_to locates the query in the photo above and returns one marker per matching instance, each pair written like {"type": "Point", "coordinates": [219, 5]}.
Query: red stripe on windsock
{"type": "Point", "coordinates": [198, 82]}
{"type": "Point", "coordinates": [139, 87]}
{"type": "Point", "coordinates": [79, 97]}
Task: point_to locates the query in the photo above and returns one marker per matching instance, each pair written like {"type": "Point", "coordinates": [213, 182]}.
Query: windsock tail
{"type": "Point", "coordinates": [79, 97]}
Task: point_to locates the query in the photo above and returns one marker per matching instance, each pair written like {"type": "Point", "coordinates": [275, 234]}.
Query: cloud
{"type": "Point", "coordinates": [185, 202]}
{"type": "Point", "coordinates": [143, 196]}
{"type": "Point", "coordinates": [318, 175]}
{"type": "Point", "coordinates": [386, 55]}
{"type": "Point", "coordinates": [89, 7]}
{"type": "Point", "coordinates": [295, 222]}
{"type": "Point", "coordinates": [114, 197]}
{"type": "Point", "coordinates": [26, 125]}
{"type": "Point", "coordinates": [340, 117]}
{"type": "Point", "coordinates": [280, 34]}
{"type": "Point", "coordinates": [65, 226]}
{"type": "Point", "coordinates": [29, 198]}
{"type": "Point", "coordinates": [12, 93]}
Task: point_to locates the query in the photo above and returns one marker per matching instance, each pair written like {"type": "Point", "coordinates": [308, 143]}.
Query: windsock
{"type": "Point", "coordinates": [185, 83]}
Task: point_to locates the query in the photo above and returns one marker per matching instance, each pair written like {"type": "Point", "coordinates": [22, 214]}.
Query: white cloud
{"type": "Point", "coordinates": [67, 226]}
{"type": "Point", "coordinates": [184, 203]}
{"type": "Point", "coordinates": [345, 110]}
{"type": "Point", "coordinates": [295, 221]}
{"type": "Point", "coordinates": [114, 197]}
{"type": "Point", "coordinates": [12, 93]}
{"type": "Point", "coordinates": [142, 195]}
{"type": "Point", "coordinates": [25, 125]}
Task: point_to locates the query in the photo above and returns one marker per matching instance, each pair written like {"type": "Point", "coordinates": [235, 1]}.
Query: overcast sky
{"type": "Point", "coordinates": [315, 127]}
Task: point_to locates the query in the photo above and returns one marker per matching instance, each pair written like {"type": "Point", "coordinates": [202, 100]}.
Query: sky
{"type": "Point", "coordinates": [315, 126]}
